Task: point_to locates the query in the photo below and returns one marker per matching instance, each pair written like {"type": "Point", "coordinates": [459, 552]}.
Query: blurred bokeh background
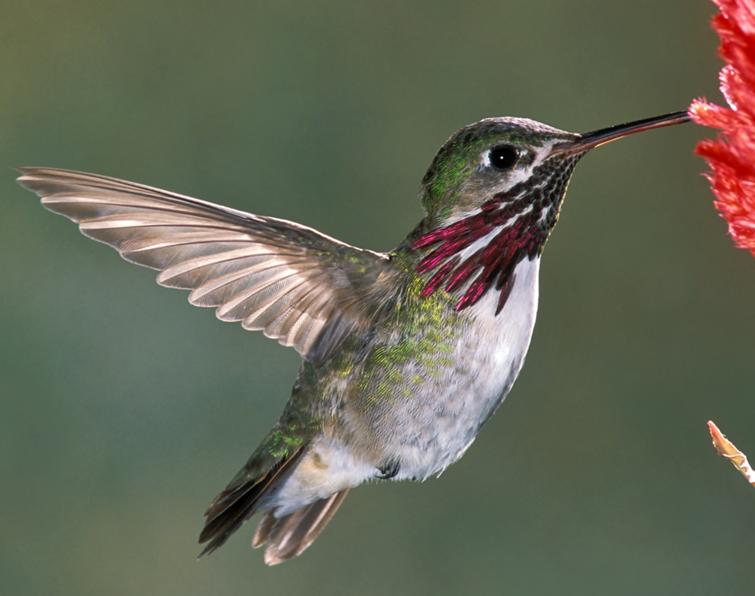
{"type": "Point", "coordinates": [124, 410]}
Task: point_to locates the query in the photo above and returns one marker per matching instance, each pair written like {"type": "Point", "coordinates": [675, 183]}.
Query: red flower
{"type": "Point", "coordinates": [731, 156]}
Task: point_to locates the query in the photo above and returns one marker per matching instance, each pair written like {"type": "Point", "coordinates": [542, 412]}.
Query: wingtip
{"type": "Point", "coordinates": [24, 176]}
{"type": "Point", "coordinates": [30, 170]}
{"type": "Point", "coordinates": [22, 171]}
{"type": "Point", "coordinates": [28, 174]}
{"type": "Point", "coordinates": [47, 172]}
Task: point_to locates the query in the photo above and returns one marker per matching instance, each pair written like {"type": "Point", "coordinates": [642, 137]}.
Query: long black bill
{"type": "Point", "coordinates": [596, 138]}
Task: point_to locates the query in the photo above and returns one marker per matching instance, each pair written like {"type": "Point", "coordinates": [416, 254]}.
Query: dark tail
{"type": "Point", "coordinates": [240, 499]}
{"type": "Point", "coordinates": [289, 536]}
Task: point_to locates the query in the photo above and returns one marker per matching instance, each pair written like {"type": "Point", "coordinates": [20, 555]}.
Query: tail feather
{"type": "Point", "coordinates": [289, 536]}
{"type": "Point", "coordinates": [238, 502]}
{"type": "Point", "coordinates": [262, 533]}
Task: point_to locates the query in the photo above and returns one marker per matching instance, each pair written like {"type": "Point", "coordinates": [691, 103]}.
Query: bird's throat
{"type": "Point", "coordinates": [475, 253]}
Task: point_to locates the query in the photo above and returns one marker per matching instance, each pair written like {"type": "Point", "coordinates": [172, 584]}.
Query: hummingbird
{"type": "Point", "coordinates": [405, 354]}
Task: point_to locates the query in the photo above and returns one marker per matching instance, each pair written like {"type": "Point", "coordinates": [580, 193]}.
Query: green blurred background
{"type": "Point", "coordinates": [124, 410]}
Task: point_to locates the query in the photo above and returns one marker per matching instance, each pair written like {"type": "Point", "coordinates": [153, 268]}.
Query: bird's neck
{"type": "Point", "coordinates": [469, 247]}
{"type": "Point", "coordinates": [471, 254]}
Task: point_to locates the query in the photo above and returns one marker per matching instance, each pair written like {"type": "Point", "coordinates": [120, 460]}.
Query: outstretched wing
{"type": "Point", "coordinates": [296, 285]}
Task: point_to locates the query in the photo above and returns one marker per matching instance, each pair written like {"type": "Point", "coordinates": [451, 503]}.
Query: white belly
{"type": "Point", "coordinates": [490, 355]}
{"type": "Point", "coordinates": [431, 429]}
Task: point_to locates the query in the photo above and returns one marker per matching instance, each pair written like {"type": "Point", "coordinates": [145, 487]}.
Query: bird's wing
{"type": "Point", "coordinates": [295, 284]}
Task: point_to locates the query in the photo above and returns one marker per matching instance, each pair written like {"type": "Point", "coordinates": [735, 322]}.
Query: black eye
{"type": "Point", "coordinates": [502, 157]}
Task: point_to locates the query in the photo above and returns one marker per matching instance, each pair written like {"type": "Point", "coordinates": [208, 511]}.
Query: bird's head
{"type": "Point", "coordinates": [493, 194]}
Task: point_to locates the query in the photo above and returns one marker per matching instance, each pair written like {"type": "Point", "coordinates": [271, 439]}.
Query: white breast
{"type": "Point", "coordinates": [488, 357]}
{"type": "Point", "coordinates": [499, 343]}
{"type": "Point", "coordinates": [432, 429]}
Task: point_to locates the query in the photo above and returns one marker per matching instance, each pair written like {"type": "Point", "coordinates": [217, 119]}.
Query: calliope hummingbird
{"type": "Point", "coordinates": [405, 353]}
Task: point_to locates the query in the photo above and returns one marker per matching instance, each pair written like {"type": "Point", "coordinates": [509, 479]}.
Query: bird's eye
{"type": "Point", "coordinates": [502, 157]}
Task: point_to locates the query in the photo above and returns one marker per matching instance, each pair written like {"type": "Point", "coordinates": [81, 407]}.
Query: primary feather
{"type": "Point", "coordinates": [296, 285]}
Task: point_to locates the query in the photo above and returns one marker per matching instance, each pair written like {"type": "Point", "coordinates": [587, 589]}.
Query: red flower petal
{"type": "Point", "coordinates": [731, 156]}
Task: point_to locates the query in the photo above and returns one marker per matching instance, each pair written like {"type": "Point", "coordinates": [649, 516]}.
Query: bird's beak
{"type": "Point", "coordinates": [596, 138]}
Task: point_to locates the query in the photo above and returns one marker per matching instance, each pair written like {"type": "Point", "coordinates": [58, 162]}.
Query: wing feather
{"type": "Point", "coordinates": [298, 286]}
